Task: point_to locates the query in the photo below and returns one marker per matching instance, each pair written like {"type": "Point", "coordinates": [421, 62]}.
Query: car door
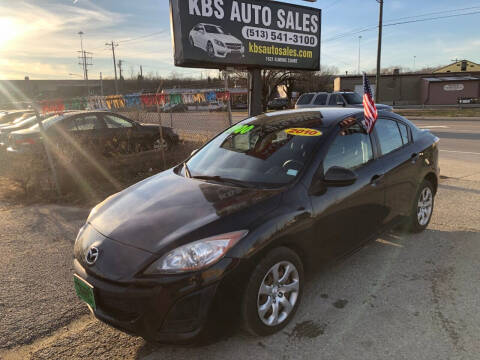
{"type": "Point", "coordinates": [400, 165]}
{"type": "Point", "coordinates": [345, 217]}
{"type": "Point", "coordinates": [61, 134]}
{"type": "Point", "coordinates": [89, 132]}
{"type": "Point", "coordinates": [121, 133]}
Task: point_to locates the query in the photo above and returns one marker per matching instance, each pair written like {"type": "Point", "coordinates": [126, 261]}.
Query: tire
{"type": "Point", "coordinates": [260, 320]}
{"type": "Point", "coordinates": [421, 215]}
{"type": "Point", "coordinates": [210, 49]}
{"type": "Point", "coordinates": [157, 145]}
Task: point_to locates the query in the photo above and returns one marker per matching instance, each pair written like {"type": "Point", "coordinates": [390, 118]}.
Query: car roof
{"type": "Point", "coordinates": [307, 117]}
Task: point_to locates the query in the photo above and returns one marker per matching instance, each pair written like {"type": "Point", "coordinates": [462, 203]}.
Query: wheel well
{"type": "Point", "coordinates": [288, 243]}
{"type": "Point", "coordinates": [432, 178]}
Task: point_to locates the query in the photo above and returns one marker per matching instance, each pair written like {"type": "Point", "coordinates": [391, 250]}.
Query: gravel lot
{"type": "Point", "coordinates": [401, 297]}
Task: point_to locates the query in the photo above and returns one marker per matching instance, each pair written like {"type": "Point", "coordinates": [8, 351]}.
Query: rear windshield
{"type": "Point", "coordinates": [305, 99]}
{"type": "Point", "coordinates": [261, 152]}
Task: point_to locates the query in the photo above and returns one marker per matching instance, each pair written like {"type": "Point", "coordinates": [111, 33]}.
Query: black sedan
{"type": "Point", "coordinates": [106, 132]}
{"type": "Point", "coordinates": [231, 230]}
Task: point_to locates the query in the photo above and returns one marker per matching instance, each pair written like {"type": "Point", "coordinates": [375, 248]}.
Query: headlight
{"type": "Point", "coordinates": [219, 43]}
{"type": "Point", "coordinates": [195, 256]}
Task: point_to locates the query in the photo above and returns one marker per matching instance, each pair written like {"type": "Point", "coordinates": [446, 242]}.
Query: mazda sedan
{"type": "Point", "coordinates": [233, 228]}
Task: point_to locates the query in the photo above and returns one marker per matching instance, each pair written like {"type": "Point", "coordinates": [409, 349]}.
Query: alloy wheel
{"type": "Point", "coordinates": [210, 50]}
{"type": "Point", "coordinates": [159, 144]}
{"type": "Point", "coordinates": [278, 293]}
{"type": "Point", "coordinates": [424, 206]}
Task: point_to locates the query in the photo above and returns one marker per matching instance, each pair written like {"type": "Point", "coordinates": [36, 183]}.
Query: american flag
{"type": "Point", "coordinates": [369, 107]}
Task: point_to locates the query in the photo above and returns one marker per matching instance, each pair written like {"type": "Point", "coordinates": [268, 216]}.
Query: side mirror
{"type": "Point", "coordinates": [194, 152]}
{"type": "Point", "coordinates": [339, 176]}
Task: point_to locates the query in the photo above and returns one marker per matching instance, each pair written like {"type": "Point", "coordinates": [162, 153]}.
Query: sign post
{"type": "Point", "coordinates": [46, 145]}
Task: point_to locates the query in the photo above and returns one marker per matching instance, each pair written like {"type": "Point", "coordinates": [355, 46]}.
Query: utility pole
{"type": "Point", "coordinates": [101, 84]}
{"type": "Point", "coordinates": [229, 105]}
{"type": "Point", "coordinates": [86, 61]}
{"type": "Point", "coordinates": [379, 51]}
{"type": "Point", "coordinates": [120, 62]}
{"type": "Point", "coordinates": [113, 45]}
{"type": "Point", "coordinates": [414, 61]}
{"type": "Point", "coordinates": [359, 44]}
{"type": "Point", "coordinates": [141, 72]}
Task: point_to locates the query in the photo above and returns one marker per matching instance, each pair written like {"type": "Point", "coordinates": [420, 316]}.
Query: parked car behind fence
{"type": "Point", "coordinates": [343, 99]}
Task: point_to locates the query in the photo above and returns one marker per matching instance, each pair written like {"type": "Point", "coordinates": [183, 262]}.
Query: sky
{"type": "Point", "coordinates": [39, 38]}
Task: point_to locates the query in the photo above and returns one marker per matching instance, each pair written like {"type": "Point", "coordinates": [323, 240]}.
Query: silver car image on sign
{"type": "Point", "coordinates": [214, 40]}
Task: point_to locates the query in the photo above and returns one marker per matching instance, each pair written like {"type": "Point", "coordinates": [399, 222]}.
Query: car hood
{"type": "Point", "coordinates": [26, 132]}
{"type": "Point", "coordinates": [168, 210]}
{"type": "Point", "coordinates": [226, 38]}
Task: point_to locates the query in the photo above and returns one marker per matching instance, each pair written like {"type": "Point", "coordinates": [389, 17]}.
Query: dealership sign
{"type": "Point", "coordinates": [246, 34]}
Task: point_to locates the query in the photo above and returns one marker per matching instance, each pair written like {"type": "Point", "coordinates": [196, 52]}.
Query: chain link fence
{"type": "Point", "coordinates": [195, 125]}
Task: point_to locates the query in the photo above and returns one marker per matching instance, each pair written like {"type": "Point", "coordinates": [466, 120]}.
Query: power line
{"type": "Point", "coordinates": [142, 37]}
{"type": "Point", "coordinates": [396, 22]}
{"type": "Point", "coordinates": [431, 19]}
{"type": "Point", "coordinates": [332, 4]}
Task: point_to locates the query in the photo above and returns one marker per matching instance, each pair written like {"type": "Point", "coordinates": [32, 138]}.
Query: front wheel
{"type": "Point", "coordinates": [422, 208]}
{"type": "Point", "coordinates": [273, 292]}
{"type": "Point", "coordinates": [210, 49]}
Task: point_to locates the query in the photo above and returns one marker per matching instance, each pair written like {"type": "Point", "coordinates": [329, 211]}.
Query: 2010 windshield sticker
{"type": "Point", "coordinates": [241, 129]}
{"type": "Point", "coordinates": [303, 132]}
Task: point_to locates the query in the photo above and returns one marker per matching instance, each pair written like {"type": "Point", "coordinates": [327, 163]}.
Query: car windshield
{"type": "Point", "coordinates": [353, 98]}
{"type": "Point", "coordinates": [213, 29]}
{"type": "Point", "coordinates": [48, 122]}
{"type": "Point", "coordinates": [267, 151]}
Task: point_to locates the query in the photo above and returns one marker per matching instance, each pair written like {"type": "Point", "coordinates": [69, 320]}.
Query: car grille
{"type": "Point", "coordinates": [119, 308]}
{"type": "Point", "coordinates": [234, 46]}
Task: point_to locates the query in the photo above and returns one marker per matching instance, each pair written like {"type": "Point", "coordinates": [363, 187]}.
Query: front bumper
{"type": "Point", "coordinates": [223, 52]}
{"type": "Point", "coordinates": [167, 309]}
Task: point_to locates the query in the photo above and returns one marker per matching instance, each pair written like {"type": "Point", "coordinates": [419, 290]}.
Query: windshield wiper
{"type": "Point", "coordinates": [222, 180]}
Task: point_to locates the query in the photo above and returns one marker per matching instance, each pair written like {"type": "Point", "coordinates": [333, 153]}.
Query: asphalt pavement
{"type": "Point", "coordinates": [402, 296]}
{"type": "Point", "coordinates": [459, 146]}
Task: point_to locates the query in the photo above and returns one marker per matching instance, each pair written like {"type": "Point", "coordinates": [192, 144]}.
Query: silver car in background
{"type": "Point", "coordinates": [335, 99]}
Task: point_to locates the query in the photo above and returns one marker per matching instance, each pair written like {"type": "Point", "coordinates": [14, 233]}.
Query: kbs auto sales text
{"type": "Point", "coordinates": [256, 14]}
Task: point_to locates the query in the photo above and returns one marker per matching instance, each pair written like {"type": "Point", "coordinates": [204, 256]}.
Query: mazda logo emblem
{"type": "Point", "coordinates": [92, 255]}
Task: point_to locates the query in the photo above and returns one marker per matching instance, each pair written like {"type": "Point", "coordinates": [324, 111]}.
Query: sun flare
{"type": "Point", "coordinates": [8, 31]}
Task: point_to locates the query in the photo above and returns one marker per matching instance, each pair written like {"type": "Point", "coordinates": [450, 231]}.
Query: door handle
{"type": "Point", "coordinates": [376, 179]}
